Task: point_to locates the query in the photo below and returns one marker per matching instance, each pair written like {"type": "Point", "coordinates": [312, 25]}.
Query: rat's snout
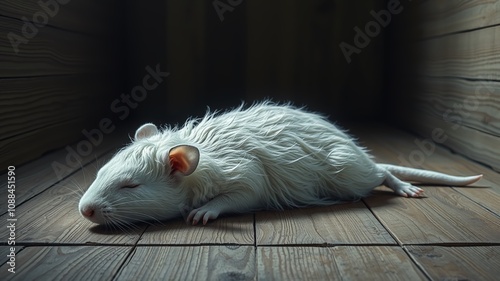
{"type": "Point", "coordinates": [93, 210]}
{"type": "Point", "coordinates": [94, 213]}
{"type": "Point", "coordinates": [93, 206]}
{"type": "Point", "coordinates": [87, 212]}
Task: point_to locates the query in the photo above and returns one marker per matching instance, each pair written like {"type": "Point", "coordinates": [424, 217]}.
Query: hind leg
{"type": "Point", "coordinates": [402, 188]}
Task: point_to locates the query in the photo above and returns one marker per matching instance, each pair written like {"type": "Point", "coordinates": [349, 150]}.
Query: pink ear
{"type": "Point", "coordinates": [184, 159]}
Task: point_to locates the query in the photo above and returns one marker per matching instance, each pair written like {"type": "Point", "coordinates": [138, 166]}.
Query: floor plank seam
{"type": "Point", "coordinates": [254, 230]}
{"type": "Point", "coordinates": [197, 245]}
{"type": "Point", "coordinates": [255, 248]}
{"type": "Point", "coordinates": [40, 244]}
{"type": "Point", "coordinates": [476, 202]}
{"type": "Point", "coordinates": [329, 245]}
{"type": "Point", "coordinates": [455, 244]}
{"type": "Point", "coordinates": [124, 263]}
{"type": "Point", "coordinates": [128, 258]}
{"type": "Point", "coordinates": [394, 237]}
{"type": "Point", "coordinates": [416, 263]}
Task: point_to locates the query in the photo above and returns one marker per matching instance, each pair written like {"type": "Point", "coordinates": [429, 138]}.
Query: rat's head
{"type": "Point", "coordinates": [141, 182]}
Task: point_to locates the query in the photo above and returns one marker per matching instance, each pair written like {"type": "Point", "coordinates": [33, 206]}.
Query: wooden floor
{"type": "Point", "coordinates": [451, 234]}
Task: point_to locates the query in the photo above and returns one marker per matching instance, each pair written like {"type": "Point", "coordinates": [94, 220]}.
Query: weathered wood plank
{"type": "Point", "coordinates": [4, 251]}
{"type": "Point", "coordinates": [445, 17]}
{"type": "Point", "coordinates": [50, 52]}
{"type": "Point", "coordinates": [43, 44]}
{"type": "Point", "coordinates": [471, 55]}
{"type": "Point", "coordinates": [19, 149]}
{"type": "Point", "coordinates": [72, 15]}
{"type": "Point", "coordinates": [66, 263]}
{"type": "Point", "coordinates": [338, 263]}
{"type": "Point", "coordinates": [338, 224]}
{"type": "Point", "coordinates": [190, 263]}
{"type": "Point", "coordinates": [458, 263]}
{"type": "Point", "coordinates": [477, 145]}
{"type": "Point", "coordinates": [459, 65]}
{"type": "Point", "coordinates": [48, 109]}
{"type": "Point", "coordinates": [236, 229]}
{"type": "Point", "coordinates": [48, 100]}
{"type": "Point", "coordinates": [443, 216]}
{"type": "Point", "coordinates": [474, 104]}
{"type": "Point", "coordinates": [53, 217]}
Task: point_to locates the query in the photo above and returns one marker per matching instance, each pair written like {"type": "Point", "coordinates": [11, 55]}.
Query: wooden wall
{"type": "Point", "coordinates": [59, 67]}
{"type": "Point", "coordinates": [455, 90]}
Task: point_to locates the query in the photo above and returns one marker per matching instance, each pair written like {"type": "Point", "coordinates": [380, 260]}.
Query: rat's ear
{"type": "Point", "coordinates": [184, 159]}
{"type": "Point", "coordinates": [145, 131]}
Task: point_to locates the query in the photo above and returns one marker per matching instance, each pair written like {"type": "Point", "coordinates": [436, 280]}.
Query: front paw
{"type": "Point", "coordinates": [202, 213]}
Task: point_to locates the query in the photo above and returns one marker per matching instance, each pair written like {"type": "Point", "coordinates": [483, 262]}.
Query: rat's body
{"type": "Point", "coordinates": [265, 157]}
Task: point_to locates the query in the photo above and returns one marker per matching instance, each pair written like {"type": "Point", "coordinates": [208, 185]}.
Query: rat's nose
{"type": "Point", "coordinates": [87, 212]}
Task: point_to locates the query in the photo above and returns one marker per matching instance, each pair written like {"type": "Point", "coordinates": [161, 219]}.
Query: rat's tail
{"type": "Point", "coordinates": [430, 177]}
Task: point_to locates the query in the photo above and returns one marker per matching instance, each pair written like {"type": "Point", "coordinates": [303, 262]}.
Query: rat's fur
{"type": "Point", "coordinates": [265, 157]}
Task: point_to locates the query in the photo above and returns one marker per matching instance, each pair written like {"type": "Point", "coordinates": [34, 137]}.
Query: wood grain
{"type": "Point", "coordinates": [458, 263]}
{"type": "Point", "coordinates": [49, 100]}
{"type": "Point", "coordinates": [473, 104]}
{"type": "Point", "coordinates": [444, 17]}
{"type": "Point", "coordinates": [40, 114]}
{"type": "Point", "coordinates": [477, 145]}
{"type": "Point", "coordinates": [457, 45]}
{"type": "Point", "coordinates": [51, 52]}
{"type": "Point", "coordinates": [338, 263]}
{"type": "Point", "coordinates": [4, 251]}
{"type": "Point", "coordinates": [190, 263]}
{"type": "Point", "coordinates": [40, 141]}
{"type": "Point", "coordinates": [471, 55]}
{"type": "Point", "coordinates": [64, 65]}
{"type": "Point", "coordinates": [332, 225]}
{"type": "Point", "coordinates": [71, 16]}
{"type": "Point", "coordinates": [234, 229]}
{"type": "Point", "coordinates": [443, 216]}
{"type": "Point", "coordinates": [66, 263]}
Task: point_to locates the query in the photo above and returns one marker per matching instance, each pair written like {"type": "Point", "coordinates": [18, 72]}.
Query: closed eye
{"type": "Point", "coordinates": [131, 186]}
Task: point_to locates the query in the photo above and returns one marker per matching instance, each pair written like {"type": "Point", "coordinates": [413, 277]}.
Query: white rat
{"type": "Point", "coordinates": [265, 157]}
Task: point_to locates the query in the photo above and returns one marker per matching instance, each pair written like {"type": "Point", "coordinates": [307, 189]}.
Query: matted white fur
{"type": "Point", "coordinates": [267, 156]}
